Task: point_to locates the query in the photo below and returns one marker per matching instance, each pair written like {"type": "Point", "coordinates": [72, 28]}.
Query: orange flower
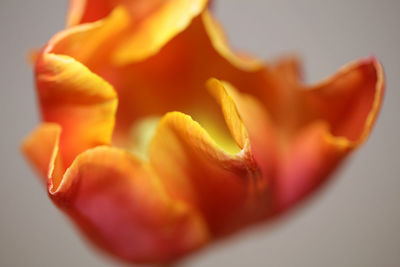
{"type": "Point", "coordinates": [148, 183]}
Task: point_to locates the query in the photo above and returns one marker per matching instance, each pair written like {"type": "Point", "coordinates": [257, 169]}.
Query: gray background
{"type": "Point", "coordinates": [354, 222]}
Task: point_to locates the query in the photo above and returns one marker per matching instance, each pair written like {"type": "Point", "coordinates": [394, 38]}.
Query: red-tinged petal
{"type": "Point", "coordinates": [82, 103]}
{"type": "Point", "coordinates": [338, 116]}
{"type": "Point", "coordinates": [39, 145]}
{"type": "Point", "coordinates": [123, 208]}
{"type": "Point", "coordinates": [350, 100]}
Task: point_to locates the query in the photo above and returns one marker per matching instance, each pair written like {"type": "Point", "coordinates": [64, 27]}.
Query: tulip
{"type": "Point", "coordinates": [157, 139]}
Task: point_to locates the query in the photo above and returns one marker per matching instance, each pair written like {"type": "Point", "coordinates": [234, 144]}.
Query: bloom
{"type": "Point", "coordinates": [148, 183]}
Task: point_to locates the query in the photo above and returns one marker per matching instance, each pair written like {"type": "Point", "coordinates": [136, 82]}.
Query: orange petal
{"type": "Point", "coordinates": [39, 145]}
{"type": "Point", "coordinates": [82, 103]}
{"type": "Point", "coordinates": [123, 209]}
{"type": "Point", "coordinates": [227, 188]}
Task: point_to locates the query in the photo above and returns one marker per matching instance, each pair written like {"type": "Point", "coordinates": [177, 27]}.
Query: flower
{"type": "Point", "coordinates": [150, 164]}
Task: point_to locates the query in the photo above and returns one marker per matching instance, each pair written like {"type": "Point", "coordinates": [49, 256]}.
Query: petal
{"type": "Point", "coordinates": [230, 112]}
{"type": "Point", "coordinates": [82, 103]}
{"type": "Point", "coordinates": [350, 100]}
{"type": "Point", "coordinates": [123, 209]}
{"type": "Point", "coordinates": [39, 145]}
{"type": "Point", "coordinates": [156, 30]}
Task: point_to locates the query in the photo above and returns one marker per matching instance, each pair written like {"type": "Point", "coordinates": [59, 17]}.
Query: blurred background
{"type": "Point", "coordinates": [355, 221]}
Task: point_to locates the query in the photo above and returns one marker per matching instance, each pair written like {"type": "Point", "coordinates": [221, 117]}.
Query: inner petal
{"type": "Point", "coordinates": [143, 130]}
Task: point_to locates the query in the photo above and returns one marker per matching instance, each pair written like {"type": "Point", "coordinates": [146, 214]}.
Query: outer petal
{"type": "Point", "coordinates": [82, 103]}
{"type": "Point", "coordinates": [341, 113]}
{"type": "Point", "coordinates": [350, 100]}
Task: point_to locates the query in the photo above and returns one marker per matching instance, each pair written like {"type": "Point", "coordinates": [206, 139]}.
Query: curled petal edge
{"type": "Point", "coordinates": [149, 226]}
{"type": "Point", "coordinates": [379, 90]}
